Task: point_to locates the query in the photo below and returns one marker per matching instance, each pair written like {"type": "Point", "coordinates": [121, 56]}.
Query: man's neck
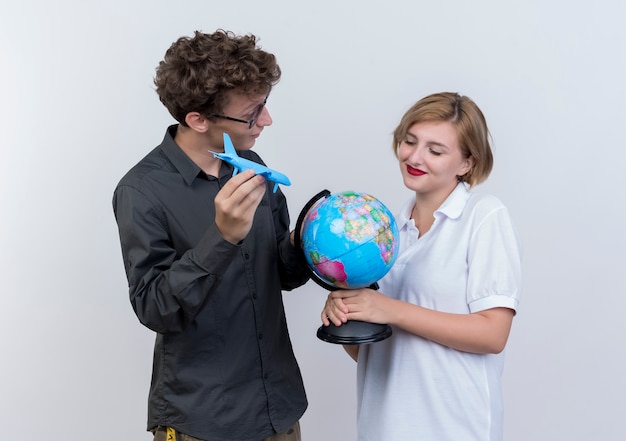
{"type": "Point", "coordinates": [195, 146]}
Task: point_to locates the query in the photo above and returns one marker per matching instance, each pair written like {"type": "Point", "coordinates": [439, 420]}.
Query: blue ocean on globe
{"type": "Point", "coordinates": [350, 240]}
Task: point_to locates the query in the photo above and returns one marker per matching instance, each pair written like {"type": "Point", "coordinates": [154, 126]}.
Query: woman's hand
{"type": "Point", "coordinates": [363, 304]}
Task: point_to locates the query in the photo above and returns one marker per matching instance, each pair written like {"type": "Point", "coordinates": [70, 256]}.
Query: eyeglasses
{"type": "Point", "coordinates": [250, 122]}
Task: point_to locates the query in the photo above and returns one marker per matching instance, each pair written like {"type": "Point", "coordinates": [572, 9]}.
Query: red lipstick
{"type": "Point", "coordinates": [414, 171]}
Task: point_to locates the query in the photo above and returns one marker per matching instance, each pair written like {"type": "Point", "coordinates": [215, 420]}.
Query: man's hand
{"type": "Point", "coordinates": [236, 203]}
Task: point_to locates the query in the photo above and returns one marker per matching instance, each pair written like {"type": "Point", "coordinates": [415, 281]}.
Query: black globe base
{"type": "Point", "coordinates": [354, 332]}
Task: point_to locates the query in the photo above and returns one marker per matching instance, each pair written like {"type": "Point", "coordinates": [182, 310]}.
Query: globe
{"type": "Point", "coordinates": [350, 239]}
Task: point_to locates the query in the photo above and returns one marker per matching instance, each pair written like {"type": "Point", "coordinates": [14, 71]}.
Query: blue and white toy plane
{"type": "Point", "coordinates": [240, 164]}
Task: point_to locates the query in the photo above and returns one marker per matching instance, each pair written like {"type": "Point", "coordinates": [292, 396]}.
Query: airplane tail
{"type": "Point", "coordinates": [229, 148]}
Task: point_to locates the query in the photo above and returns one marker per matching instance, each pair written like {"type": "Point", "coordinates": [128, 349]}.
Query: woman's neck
{"type": "Point", "coordinates": [423, 213]}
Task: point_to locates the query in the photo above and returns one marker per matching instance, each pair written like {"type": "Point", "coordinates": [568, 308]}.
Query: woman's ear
{"type": "Point", "coordinates": [466, 167]}
{"type": "Point", "coordinates": [468, 164]}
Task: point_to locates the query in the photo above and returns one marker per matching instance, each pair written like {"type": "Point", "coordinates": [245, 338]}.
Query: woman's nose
{"type": "Point", "coordinates": [417, 155]}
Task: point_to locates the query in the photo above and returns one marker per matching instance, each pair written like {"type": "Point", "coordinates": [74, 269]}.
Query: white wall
{"type": "Point", "coordinates": [78, 109]}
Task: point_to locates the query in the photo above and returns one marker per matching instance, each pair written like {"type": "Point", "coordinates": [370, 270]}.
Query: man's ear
{"type": "Point", "coordinates": [197, 122]}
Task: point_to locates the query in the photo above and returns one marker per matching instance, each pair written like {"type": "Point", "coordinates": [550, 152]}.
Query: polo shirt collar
{"type": "Point", "coordinates": [452, 207]}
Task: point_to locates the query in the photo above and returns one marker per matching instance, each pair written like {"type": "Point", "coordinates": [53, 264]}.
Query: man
{"type": "Point", "coordinates": [207, 254]}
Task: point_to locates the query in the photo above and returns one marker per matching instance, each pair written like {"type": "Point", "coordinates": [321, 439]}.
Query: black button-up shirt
{"type": "Point", "coordinates": [224, 367]}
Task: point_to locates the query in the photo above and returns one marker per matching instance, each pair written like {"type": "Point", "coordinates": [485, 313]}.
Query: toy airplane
{"type": "Point", "coordinates": [240, 164]}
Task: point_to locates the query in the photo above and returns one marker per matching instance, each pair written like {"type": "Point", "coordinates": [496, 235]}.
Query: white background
{"type": "Point", "coordinates": [78, 109]}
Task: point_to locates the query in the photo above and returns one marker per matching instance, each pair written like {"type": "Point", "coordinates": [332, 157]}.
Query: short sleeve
{"type": "Point", "coordinates": [494, 259]}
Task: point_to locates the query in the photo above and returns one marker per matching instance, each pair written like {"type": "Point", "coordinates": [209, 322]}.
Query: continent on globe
{"type": "Point", "coordinates": [350, 239]}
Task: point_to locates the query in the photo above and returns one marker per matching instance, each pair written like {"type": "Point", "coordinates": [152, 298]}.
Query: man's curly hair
{"type": "Point", "coordinates": [197, 72]}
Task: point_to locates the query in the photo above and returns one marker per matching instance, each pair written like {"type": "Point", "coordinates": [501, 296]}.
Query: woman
{"type": "Point", "coordinates": [451, 295]}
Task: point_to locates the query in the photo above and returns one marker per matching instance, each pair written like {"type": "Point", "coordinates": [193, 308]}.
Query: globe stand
{"type": "Point", "coordinates": [353, 332]}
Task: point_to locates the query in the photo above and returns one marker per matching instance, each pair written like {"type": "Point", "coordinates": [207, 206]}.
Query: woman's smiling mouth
{"type": "Point", "coordinates": [414, 171]}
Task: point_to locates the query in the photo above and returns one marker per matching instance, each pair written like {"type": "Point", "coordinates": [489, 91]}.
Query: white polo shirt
{"type": "Point", "coordinates": [412, 389]}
